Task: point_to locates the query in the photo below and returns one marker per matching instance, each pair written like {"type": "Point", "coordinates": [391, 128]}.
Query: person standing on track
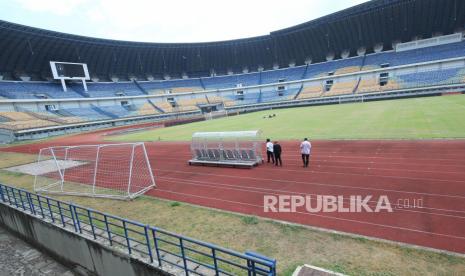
{"type": "Point", "coordinates": [277, 154]}
{"type": "Point", "coordinates": [269, 150]}
{"type": "Point", "coordinates": [305, 150]}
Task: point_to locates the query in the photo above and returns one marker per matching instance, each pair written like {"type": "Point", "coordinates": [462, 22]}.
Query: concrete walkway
{"type": "Point", "coordinates": [19, 258]}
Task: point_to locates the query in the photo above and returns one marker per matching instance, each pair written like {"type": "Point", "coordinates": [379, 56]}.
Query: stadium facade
{"type": "Point", "coordinates": [376, 50]}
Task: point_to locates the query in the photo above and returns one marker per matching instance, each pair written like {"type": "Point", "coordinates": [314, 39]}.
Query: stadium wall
{"type": "Point", "coordinates": [86, 256]}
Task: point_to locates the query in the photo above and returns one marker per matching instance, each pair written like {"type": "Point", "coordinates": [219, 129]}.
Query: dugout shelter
{"type": "Point", "coordinates": [227, 148]}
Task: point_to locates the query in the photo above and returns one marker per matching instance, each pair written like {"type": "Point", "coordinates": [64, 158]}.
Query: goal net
{"type": "Point", "coordinates": [120, 171]}
{"type": "Point", "coordinates": [215, 115]}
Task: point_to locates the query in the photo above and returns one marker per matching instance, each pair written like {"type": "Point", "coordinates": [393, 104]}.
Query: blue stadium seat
{"type": "Point", "coordinates": [230, 81]}
{"type": "Point", "coordinates": [96, 90]}
{"type": "Point", "coordinates": [289, 74]}
{"type": "Point", "coordinates": [427, 78]}
{"type": "Point", "coordinates": [418, 55]}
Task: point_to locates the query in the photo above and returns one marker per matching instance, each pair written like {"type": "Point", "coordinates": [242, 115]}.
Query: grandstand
{"type": "Point", "coordinates": [429, 64]}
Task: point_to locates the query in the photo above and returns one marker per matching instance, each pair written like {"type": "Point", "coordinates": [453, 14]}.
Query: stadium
{"type": "Point", "coordinates": [154, 154]}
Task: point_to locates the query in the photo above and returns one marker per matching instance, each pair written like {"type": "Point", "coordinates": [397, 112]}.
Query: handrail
{"type": "Point", "coordinates": [155, 245]}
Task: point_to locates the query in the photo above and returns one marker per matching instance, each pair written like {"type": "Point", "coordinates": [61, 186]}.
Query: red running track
{"type": "Point", "coordinates": [433, 171]}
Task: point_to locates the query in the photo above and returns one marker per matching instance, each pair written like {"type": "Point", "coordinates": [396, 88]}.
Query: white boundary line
{"type": "Point", "coordinates": [309, 183]}
{"type": "Point", "coordinates": [274, 191]}
{"type": "Point", "coordinates": [321, 229]}
{"type": "Point", "coordinates": [328, 217]}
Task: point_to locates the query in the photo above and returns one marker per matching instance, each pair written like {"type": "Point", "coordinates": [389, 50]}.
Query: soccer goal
{"type": "Point", "coordinates": [120, 171]}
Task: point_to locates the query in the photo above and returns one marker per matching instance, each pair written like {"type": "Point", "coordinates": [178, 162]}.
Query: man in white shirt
{"type": "Point", "coordinates": [305, 150]}
{"type": "Point", "coordinates": [269, 150]}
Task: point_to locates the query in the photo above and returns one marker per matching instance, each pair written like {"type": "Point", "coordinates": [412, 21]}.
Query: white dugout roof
{"type": "Point", "coordinates": [227, 135]}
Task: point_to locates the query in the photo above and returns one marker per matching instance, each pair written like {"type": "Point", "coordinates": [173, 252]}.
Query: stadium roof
{"type": "Point", "coordinates": [28, 50]}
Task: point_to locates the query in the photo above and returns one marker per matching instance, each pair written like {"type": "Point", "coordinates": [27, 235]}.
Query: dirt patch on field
{"type": "Point", "coordinates": [45, 167]}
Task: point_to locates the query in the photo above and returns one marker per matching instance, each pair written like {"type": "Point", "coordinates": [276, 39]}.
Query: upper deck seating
{"type": "Point", "coordinates": [231, 81]}
{"type": "Point", "coordinates": [175, 86]}
{"type": "Point", "coordinates": [336, 66]}
{"type": "Point", "coordinates": [288, 74]}
{"type": "Point", "coordinates": [110, 89]}
{"type": "Point", "coordinates": [428, 78]}
{"type": "Point", "coordinates": [417, 55]}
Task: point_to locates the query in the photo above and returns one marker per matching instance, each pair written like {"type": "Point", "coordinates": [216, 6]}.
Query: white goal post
{"type": "Point", "coordinates": [120, 171]}
{"type": "Point", "coordinates": [215, 115]}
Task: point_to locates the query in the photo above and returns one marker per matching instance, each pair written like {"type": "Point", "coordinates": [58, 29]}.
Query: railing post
{"type": "Point", "coordinates": [147, 239]}
{"type": "Point", "coordinates": [108, 229]}
{"type": "Point", "coordinates": [31, 203]}
{"type": "Point", "coordinates": [14, 197]}
{"type": "Point", "coordinates": [61, 214]}
{"type": "Point", "coordinates": [156, 246]}
{"type": "Point", "coordinates": [2, 196]}
{"type": "Point", "coordinates": [8, 195]}
{"type": "Point", "coordinates": [71, 210]}
{"type": "Point", "coordinates": [254, 273]}
{"type": "Point", "coordinates": [22, 201]}
{"type": "Point", "coordinates": [249, 268]}
{"type": "Point", "coordinates": [215, 261]}
{"type": "Point", "coordinates": [183, 254]}
{"type": "Point", "coordinates": [127, 237]}
{"type": "Point", "coordinates": [270, 263]}
{"type": "Point", "coordinates": [50, 210]}
{"type": "Point", "coordinates": [89, 214]}
{"type": "Point", "coordinates": [78, 223]}
{"type": "Point", "coordinates": [40, 207]}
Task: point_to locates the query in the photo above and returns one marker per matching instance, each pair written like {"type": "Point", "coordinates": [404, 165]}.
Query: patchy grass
{"type": "Point", "coordinates": [11, 159]}
{"type": "Point", "coordinates": [431, 117]}
{"type": "Point", "coordinates": [249, 220]}
{"type": "Point", "coordinates": [13, 174]}
{"type": "Point", "coordinates": [292, 245]}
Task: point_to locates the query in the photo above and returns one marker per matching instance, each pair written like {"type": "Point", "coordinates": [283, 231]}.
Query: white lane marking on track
{"type": "Point", "coordinates": [313, 183]}
{"type": "Point", "coordinates": [328, 217]}
{"type": "Point", "coordinates": [240, 188]}
{"type": "Point", "coordinates": [344, 167]}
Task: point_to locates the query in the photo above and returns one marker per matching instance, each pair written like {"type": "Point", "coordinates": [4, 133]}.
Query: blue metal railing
{"type": "Point", "coordinates": [193, 256]}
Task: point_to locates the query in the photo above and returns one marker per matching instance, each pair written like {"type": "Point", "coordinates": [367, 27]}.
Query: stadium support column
{"type": "Point", "coordinates": [84, 84]}
{"type": "Point", "coordinates": [63, 84]}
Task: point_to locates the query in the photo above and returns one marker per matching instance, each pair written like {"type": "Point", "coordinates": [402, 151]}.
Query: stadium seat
{"type": "Point", "coordinates": [428, 78]}
{"type": "Point", "coordinates": [367, 85]}
{"type": "Point", "coordinates": [147, 109]}
{"type": "Point", "coordinates": [26, 120]}
{"type": "Point", "coordinates": [346, 70]}
{"type": "Point", "coordinates": [341, 88]}
{"type": "Point", "coordinates": [313, 91]}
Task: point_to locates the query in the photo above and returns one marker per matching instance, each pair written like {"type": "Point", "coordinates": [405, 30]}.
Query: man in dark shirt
{"type": "Point", "coordinates": [277, 153]}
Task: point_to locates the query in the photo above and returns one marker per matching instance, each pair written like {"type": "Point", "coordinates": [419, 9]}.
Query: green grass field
{"type": "Point", "coordinates": [432, 117]}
